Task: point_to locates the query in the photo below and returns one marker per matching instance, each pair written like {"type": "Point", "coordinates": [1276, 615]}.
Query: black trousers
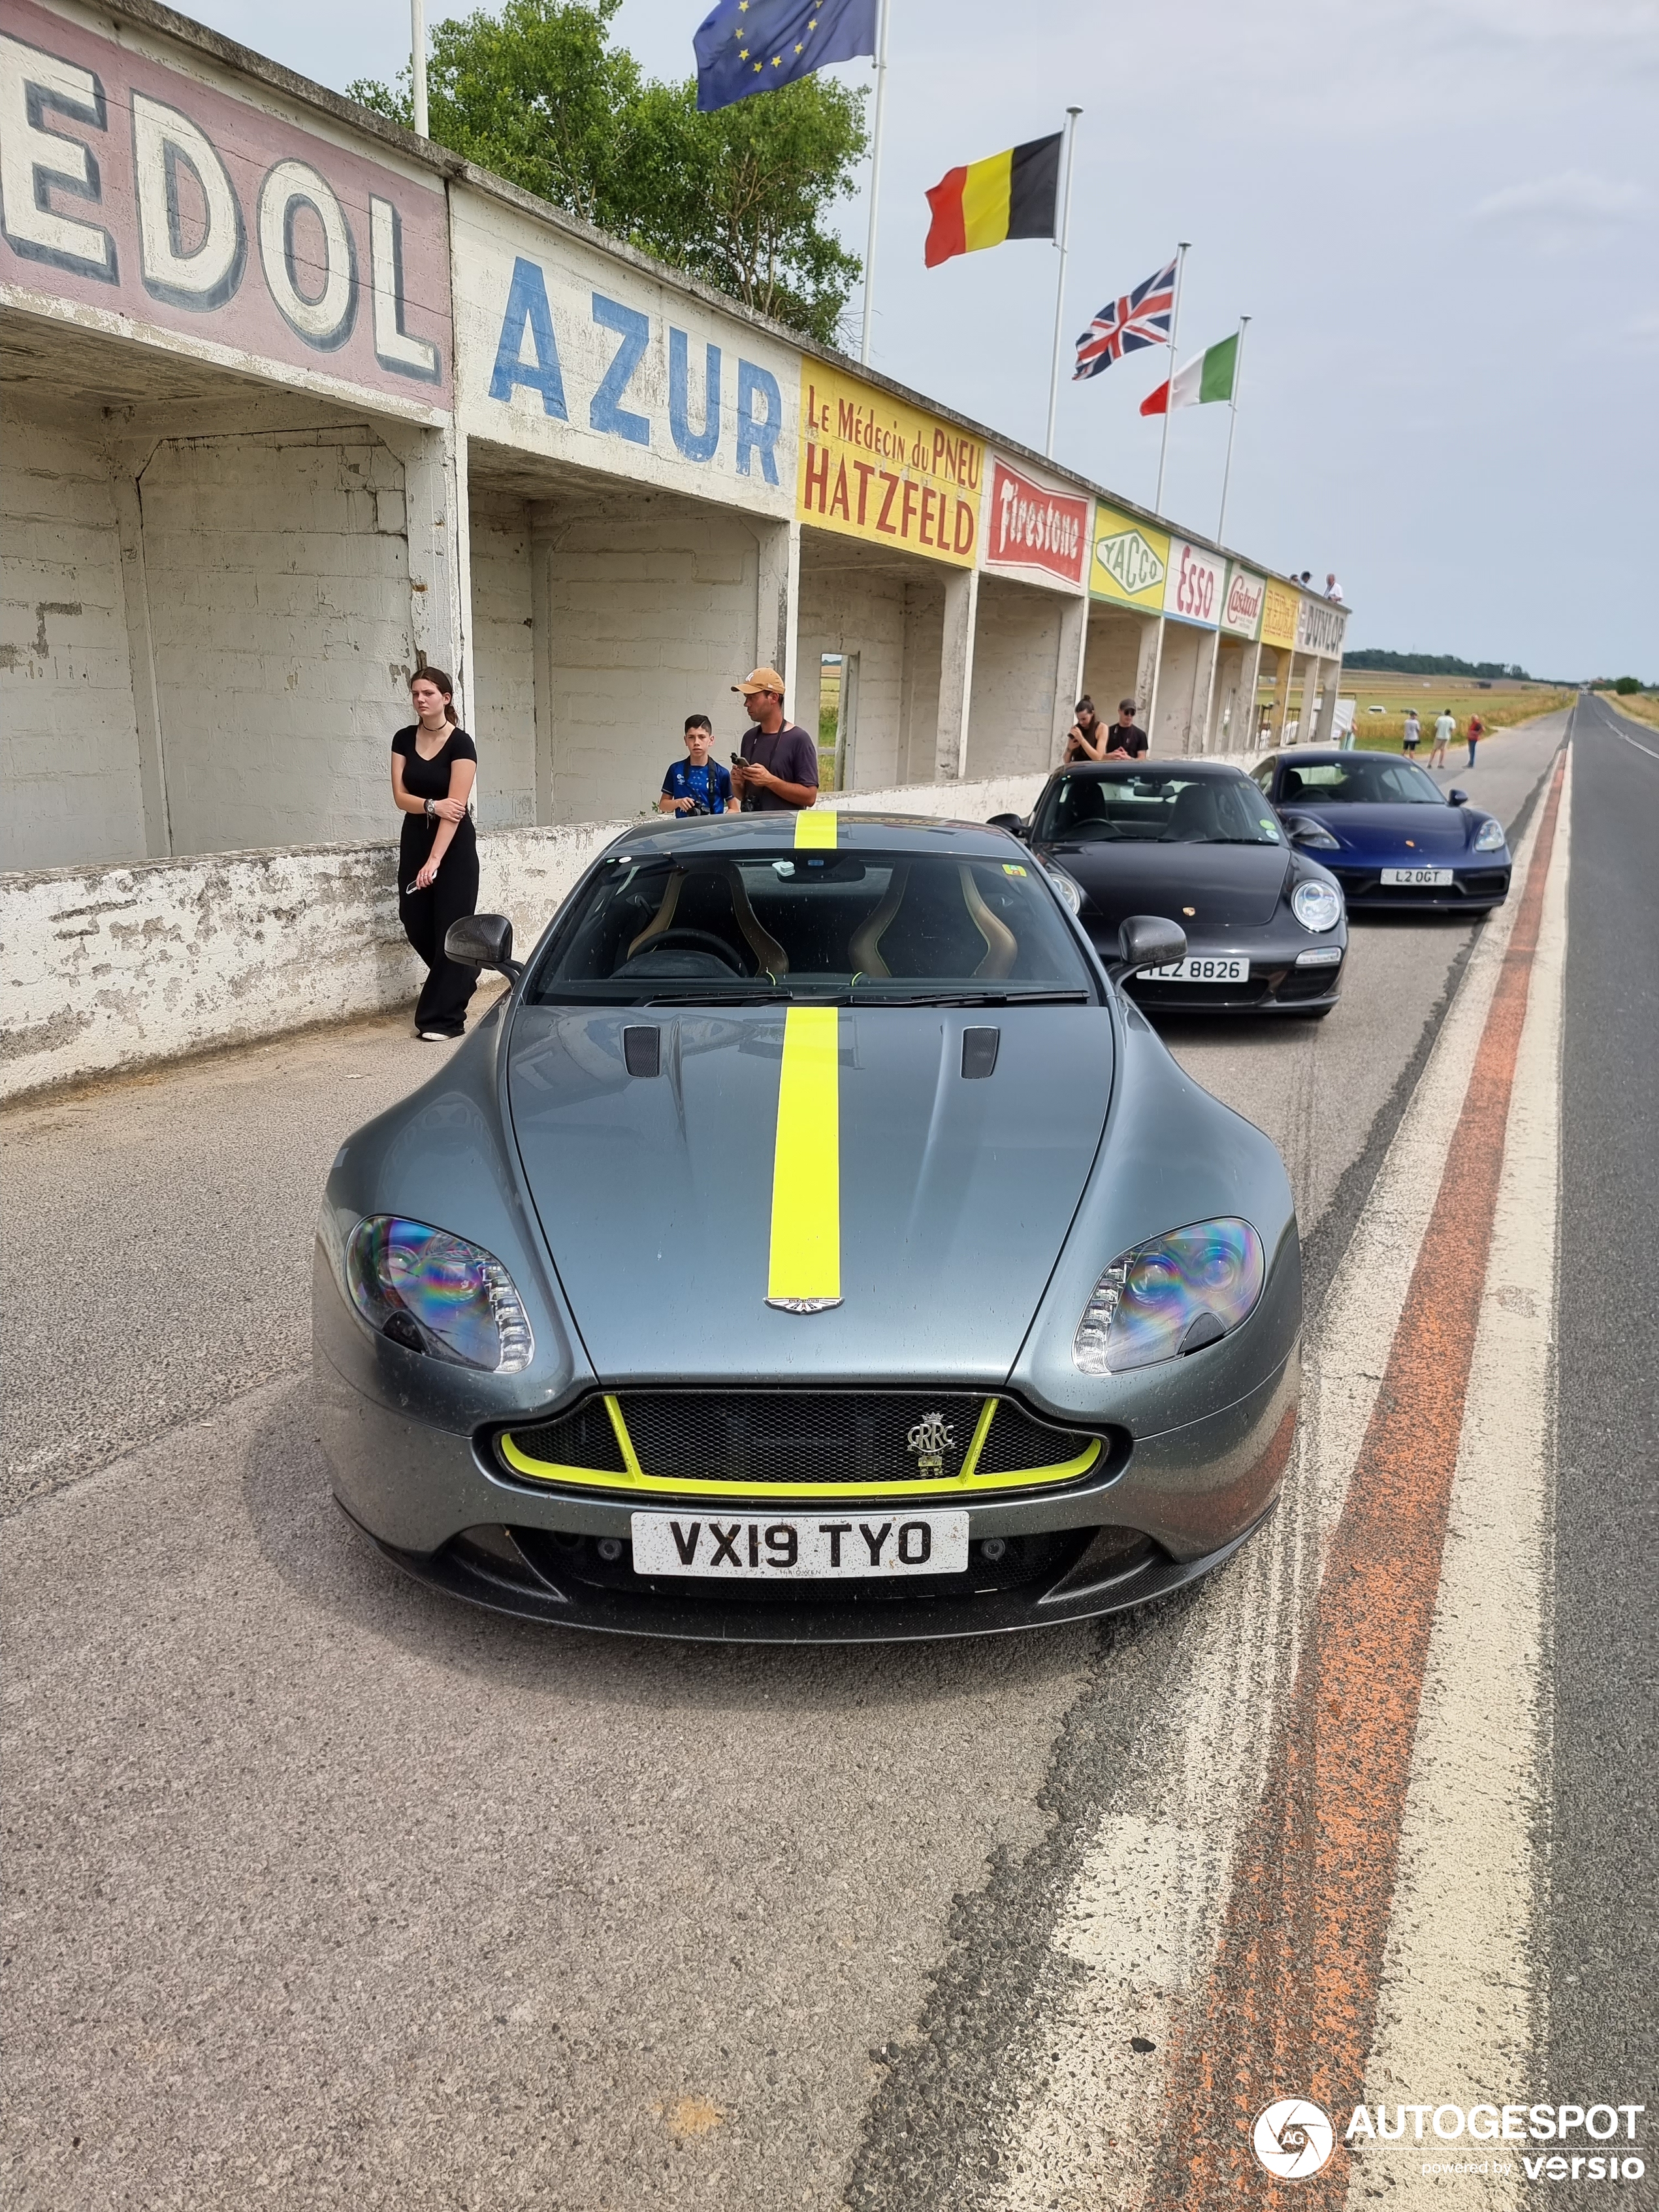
{"type": "Point", "coordinates": [426, 916]}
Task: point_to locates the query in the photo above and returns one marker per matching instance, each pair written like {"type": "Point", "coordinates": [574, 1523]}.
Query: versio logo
{"type": "Point", "coordinates": [1130, 562]}
{"type": "Point", "coordinates": [1292, 2139]}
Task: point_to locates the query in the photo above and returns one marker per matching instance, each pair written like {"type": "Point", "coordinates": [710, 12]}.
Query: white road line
{"type": "Point", "coordinates": [1637, 742]}
{"type": "Point", "coordinates": [1455, 2010]}
{"type": "Point", "coordinates": [1140, 1924]}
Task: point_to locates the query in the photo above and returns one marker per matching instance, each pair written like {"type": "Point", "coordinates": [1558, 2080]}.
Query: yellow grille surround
{"type": "Point", "coordinates": [637, 1481]}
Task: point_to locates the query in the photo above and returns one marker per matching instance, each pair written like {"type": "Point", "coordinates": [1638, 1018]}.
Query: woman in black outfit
{"type": "Point", "coordinates": [433, 766]}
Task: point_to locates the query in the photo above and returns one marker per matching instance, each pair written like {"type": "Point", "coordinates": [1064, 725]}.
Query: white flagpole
{"type": "Point", "coordinates": [883, 7]}
{"type": "Point", "coordinates": [1169, 403]}
{"type": "Point", "coordinates": [1232, 425]}
{"type": "Point", "coordinates": [1072, 115]}
{"type": "Point", "coordinates": [417, 62]}
{"type": "Point", "coordinates": [1158, 504]}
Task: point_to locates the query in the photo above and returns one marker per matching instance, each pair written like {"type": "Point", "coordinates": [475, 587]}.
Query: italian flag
{"type": "Point", "coordinates": [1208, 377]}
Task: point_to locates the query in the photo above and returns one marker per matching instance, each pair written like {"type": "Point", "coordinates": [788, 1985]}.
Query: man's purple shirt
{"type": "Point", "coordinates": [790, 755]}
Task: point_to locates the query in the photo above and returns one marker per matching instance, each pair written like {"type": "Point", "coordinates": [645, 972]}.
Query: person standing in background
{"type": "Point", "coordinates": [434, 764]}
{"type": "Point", "coordinates": [1332, 589]}
{"type": "Point", "coordinates": [778, 773]}
{"type": "Point", "coordinates": [1445, 729]}
{"type": "Point", "coordinates": [1411, 735]}
{"type": "Point", "coordinates": [1086, 740]}
{"type": "Point", "coordinates": [696, 785]}
{"type": "Point", "coordinates": [1474, 731]}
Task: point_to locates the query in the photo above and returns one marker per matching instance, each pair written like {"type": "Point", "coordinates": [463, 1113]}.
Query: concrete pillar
{"type": "Point", "coordinates": [956, 675]}
{"type": "Point", "coordinates": [141, 653]}
{"type": "Point", "coordinates": [1146, 675]}
{"type": "Point", "coordinates": [777, 601]}
{"type": "Point", "coordinates": [542, 532]}
{"type": "Point", "coordinates": [1198, 739]}
{"type": "Point", "coordinates": [1331, 670]}
{"type": "Point", "coordinates": [1240, 737]}
{"type": "Point", "coordinates": [1068, 673]}
{"type": "Point", "coordinates": [434, 512]}
{"type": "Point", "coordinates": [1282, 693]}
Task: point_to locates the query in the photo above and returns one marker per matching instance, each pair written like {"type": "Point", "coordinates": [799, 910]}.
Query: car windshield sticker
{"type": "Point", "coordinates": [1010, 869]}
{"type": "Point", "coordinates": [1272, 828]}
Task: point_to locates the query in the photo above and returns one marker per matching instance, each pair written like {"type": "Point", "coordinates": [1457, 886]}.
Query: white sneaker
{"type": "Point", "coordinates": [434, 1036]}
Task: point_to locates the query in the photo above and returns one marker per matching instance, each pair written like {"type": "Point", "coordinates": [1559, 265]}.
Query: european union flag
{"type": "Point", "coordinates": [756, 45]}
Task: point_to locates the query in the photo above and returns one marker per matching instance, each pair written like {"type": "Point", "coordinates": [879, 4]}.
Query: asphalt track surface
{"type": "Point", "coordinates": [325, 1891]}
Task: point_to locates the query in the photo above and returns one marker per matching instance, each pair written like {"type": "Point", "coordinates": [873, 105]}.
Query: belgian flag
{"type": "Point", "coordinates": [1011, 195]}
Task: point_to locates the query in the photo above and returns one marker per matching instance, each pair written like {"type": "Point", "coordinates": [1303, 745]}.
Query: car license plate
{"type": "Point", "coordinates": [1433, 878]}
{"type": "Point", "coordinates": [1202, 968]}
{"type": "Point", "coordinates": [800, 1546]}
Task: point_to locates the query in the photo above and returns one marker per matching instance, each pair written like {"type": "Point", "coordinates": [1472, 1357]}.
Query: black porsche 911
{"type": "Point", "coordinates": [1266, 926]}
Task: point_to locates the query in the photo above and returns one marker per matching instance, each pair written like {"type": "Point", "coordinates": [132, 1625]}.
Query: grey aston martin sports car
{"type": "Point", "coordinates": [814, 1244]}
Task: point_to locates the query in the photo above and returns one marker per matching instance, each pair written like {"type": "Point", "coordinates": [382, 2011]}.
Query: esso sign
{"type": "Point", "coordinates": [1193, 591]}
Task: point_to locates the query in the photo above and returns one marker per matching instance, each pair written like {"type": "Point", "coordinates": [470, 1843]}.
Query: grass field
{"type": "Point", "coordinates": [1640, 706]}
{"type": "Point", "coordinates": [1499, 705]}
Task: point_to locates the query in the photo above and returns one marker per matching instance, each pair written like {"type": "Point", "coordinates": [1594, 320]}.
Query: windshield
{"type": "Point", "coordinates": [820, 928]}
{"type": "Point", "coordinates": [1359, 780]}
{"type": "Point", "coordinates": [1165, 804]}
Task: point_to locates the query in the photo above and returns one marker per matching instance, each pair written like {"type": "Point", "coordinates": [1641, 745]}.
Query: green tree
{"type": "Point", "coordinates": [540, 96]}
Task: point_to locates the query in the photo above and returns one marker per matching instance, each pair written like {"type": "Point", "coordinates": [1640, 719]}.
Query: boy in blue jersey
{"type": "Point", "coordinates": [696, 785]}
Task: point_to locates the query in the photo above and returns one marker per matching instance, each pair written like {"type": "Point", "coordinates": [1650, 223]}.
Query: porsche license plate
{"type": "Point", "coordinates": [800, 1546]}
{"type": "Point", "coordinates": [1426, 878]}
{"type": "Point", "coordinates": [1202, 968]}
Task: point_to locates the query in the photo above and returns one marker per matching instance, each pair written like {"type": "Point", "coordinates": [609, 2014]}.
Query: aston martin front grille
{"type": "Point", "coordinates": [806, 1440]}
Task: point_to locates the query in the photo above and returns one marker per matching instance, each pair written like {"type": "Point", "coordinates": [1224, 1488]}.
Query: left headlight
{"type": "Point", "coordinates": [1489, 837]}
{"type": "Point", "coordinates": [1316, 906]}
{"type": "Point", "coordinates": [1176, 1294]}
{"type": "Point", "coordinates": [436, 1293]}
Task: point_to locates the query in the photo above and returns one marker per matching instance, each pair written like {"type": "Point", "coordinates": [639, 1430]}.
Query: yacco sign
{"type": "Point", "coordinates": [872, 467]}
{"type": "Point", "coordinates": [1131, 561]}
{"type": "Point", "coordinates": [1241, 610]}
{"type": "Point", "coordinates": [569, 352]}
{"type": "Point", "coordinates": [160, 202]}
{"type": "Point", "coordinates": [1194, 589]}
{"type": "Point", "coordinates": [1319, 629]}
{"type": "Point", "coordinates": [1279, 606]}
{"type": "Point", "coordinates": [1029, 527]}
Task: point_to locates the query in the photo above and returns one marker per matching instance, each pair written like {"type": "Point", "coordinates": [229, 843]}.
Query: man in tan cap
{"type": "Point", "coordinates": [779, 769]}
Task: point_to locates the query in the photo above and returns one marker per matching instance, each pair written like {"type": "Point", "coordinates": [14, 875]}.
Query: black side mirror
{"type": "Point", "coordinates": [1457, 799]}
{"type": "Point", "coordinates": [1146, 940]}
{"type": "Point", "coordinates": [1011, 823]}
{"type": "Point", "coordinates": [482, 940]}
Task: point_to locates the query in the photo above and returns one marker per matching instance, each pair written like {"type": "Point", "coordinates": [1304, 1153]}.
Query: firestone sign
{"type": "Point", "coordinates": [157, 201]}
{"type": "Point", "coordinates": [1029, 527]}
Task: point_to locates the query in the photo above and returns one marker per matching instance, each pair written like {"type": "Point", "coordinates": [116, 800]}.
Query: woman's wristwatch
{"type": "Point", "coordinates": [429, 807]}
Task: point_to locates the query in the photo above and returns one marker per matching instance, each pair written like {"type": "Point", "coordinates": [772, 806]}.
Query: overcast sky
{"type": "Point", "coordinates": [1443, 216]}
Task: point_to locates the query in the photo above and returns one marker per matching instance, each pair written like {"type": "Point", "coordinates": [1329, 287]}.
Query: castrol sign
{"type": "Point", "coordinates": [1026, 527]}
{"type": "Point", "coordinates": [1194, 589]}
{"type": "Point", "coordinates": [1241, 612]}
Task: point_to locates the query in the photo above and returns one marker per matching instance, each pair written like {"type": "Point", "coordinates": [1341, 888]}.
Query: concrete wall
{"type": "Point", "coordinates": [277, 575]}
{"type": "Point", "coordinates": [1016, 662]}
{"type": "Point", "coordinates": [650, 613]}
{"type": "Point", "coordinates": [110, 969]}
{"type": "Point", "coordinates": [71, 741]}
{"type": "Point", "coordinates": [1116, 661]}
{"type": "Point", "coordinates": [502, 702]}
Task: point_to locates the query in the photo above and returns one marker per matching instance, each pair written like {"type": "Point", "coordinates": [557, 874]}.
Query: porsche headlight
{"type": "Point", "coordinates": [436, 1293]}
{"type": "Point", "coordinates": [1176, 1294]}
{"type": "Point", "coordinates": [1316, 906]}
{"type": "Point", "coordinates": [1068, 886]}
{"type": "Point", "coordinates": [1489, 837]}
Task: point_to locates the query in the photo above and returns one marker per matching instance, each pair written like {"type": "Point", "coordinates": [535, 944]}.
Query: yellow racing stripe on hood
{"type": "Point", "coordinates": [805, 1261]}
{"type": "Point", "coordinates": [815, 825]}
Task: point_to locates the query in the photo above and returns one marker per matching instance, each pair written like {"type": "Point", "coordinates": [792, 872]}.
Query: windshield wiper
{"type": "Point", "coordinates": [970, 998]}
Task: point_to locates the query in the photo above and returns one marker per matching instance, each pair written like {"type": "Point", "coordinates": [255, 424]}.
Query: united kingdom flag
{"type": "Point", "coordinates": [1140, 318]}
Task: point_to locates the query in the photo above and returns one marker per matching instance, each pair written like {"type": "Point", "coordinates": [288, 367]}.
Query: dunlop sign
{"type": "Point", "coordinates": [1319, 629]}
{"type": "Point", "coordinates": [1131, 561]}
{"type": "Point", "coordinates": [872, 468]}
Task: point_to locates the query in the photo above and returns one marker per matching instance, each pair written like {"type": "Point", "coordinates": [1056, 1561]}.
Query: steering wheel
{"type": "Point", "coordinates": [698, 940]}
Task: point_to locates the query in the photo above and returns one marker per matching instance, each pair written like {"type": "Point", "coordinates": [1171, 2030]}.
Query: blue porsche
{"type": "Point", "coordinates": [1387, 831]}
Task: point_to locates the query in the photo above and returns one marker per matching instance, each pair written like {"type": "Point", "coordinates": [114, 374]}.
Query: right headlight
{"type": "Point", "coordinates": [435, 1293]}
{"type": "Point", "coordinates": [1316, 906]}
{"type": "Point", "coordinates": [1174, 1294]}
